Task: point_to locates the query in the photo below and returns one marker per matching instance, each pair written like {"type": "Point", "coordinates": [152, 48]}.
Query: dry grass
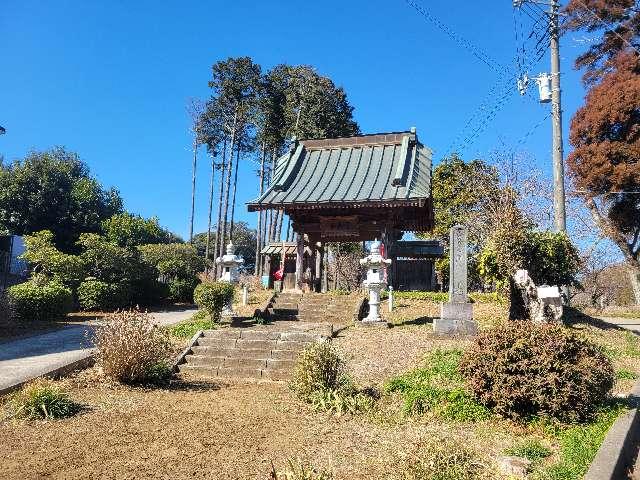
{"type": "Point", "coordinates": [131, 348]}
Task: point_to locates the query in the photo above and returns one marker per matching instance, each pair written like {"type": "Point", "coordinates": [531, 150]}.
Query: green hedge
{"type": "Point", "coordinates": [442, 297]}
{"type": "Point", "coordinates": [181, 289]}
{"type": "Point", "coordinates": [37, 301]}
{"type": "Point", "coordinates": [212, 297]}
{"type": "Point", "coordinates": [97, 295]}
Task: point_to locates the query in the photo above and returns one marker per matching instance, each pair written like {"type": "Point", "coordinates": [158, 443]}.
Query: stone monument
{"type": "Point", "coordinates": [538, 304]}
{"type": "Point", "coordinates": [229, 263]}
{"type": "Point", "coordinates": [456, 316]}
{"type": "Point", "coordinates": [376, 265]}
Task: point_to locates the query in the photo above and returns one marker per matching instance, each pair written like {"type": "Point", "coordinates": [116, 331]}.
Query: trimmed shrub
{"type": "Point", "coordinates": [34, 300]}
{"type": "Point", "coordinates": [181, 289]}
{"type": "Point", "coordinates": [41, 398]}
{"type": "Point", "coordinates": [96, 295]}
{"type": "Point", "coordinates": [133, 350]}
{"type": "Point", "coordinates": [212, 297]}
{"type": "Point", "coordinates": [523, 369]}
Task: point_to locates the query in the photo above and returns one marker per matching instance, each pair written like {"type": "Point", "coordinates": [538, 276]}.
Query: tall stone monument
{"type": "Point", "coordinates": [456, 316]}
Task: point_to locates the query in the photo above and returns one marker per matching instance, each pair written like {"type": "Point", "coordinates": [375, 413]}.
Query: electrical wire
{"type": "Point", "coordinates": [611, 29]}
{"type": "Point", "coordinates": [461, 41]}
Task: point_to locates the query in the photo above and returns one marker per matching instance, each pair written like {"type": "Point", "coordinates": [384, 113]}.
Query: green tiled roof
{"type": "Point", "coordinates": [383, 169]}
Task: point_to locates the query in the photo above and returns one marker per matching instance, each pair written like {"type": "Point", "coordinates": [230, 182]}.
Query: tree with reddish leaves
{"type": "Point", "coordinates": [605, 132]}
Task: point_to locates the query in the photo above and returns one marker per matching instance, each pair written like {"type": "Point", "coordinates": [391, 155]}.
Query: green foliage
{"type": "Point", "coordinates": [345, 399]}
{"type": "Point", "coordinates": [131, 349]}
{"type": "Point", "coordinates": [442, 459]}
{"type": "Point", "coordinates": [53, 190]}
{"type": "Point", "coordinates": [623, 374]}
{"type": "Point", "coordinates": [523, 369]}
{"type": "Point", "coordinates": [212, 297]}
{"type": "Point", "coordinates": [460, 190]}
{"type": "Point", "coordinates": [6, 310]}
{"type": "Point", "coordinates": [244, 239]}
{"type": "Point", "coordinates": [45, 259]}
{"type": "Point", "coordinates": [439, 389]}
{"type": "Point", "coordinates": [187, 329]}
{"type": "Point", "coordinates": [579, 445]}
{"type": "Point", "coordinates": [298, 470]}
{"type": "Point", "coordinates": [128, 230]}
{"type": "Point", "coordinates": [40, 300]}
{"type": "Point", "coordinates": [40, 399]}
{"type": "Point", "coordinates": [490, 298]}
{"type": "Point", "coordinates": [531, 449]}
{"type": "Point", "coordinates": [181, 289]}
{"type": "Point", "coordinates": [109, 262]}
{"type": "Point", "coordinates": [96, 295]}
{"type": "Point", "coordinates": [550, 258]}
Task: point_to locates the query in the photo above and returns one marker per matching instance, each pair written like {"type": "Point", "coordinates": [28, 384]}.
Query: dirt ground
{"type": "Point", "coordinates": [203, 429]}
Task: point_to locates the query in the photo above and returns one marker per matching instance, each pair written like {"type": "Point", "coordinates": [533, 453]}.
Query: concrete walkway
{"type": "Point", "coordinates": [27, 358]}
{"type": "Point", "coordinates": [632, 324]}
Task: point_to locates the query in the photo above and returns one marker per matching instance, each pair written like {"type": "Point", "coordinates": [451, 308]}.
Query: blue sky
{"type": "Point", "coordinates": [110, 80]}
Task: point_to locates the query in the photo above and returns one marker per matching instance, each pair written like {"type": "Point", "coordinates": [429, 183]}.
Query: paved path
{"type": "Point", "coordinates": [632, 324]}
{"type": "Point", "coordinates": [27, 358]}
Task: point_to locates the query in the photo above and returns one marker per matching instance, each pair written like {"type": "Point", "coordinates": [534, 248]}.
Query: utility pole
{"type": "Point", "coordinates": [556, 116]}
{"type": "Point", "coordinates": [550, 91]}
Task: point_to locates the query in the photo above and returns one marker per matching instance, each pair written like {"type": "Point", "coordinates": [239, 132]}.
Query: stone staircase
{"type": "Point", "coordinates": [317, 307]}
{"type": "Point", "coordinates": [259, 352]}
{"type": "Point", "coordinates": [285, 306]}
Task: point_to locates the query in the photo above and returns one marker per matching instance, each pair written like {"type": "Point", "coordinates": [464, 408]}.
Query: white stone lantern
{"type": "Point", "coordinates": [230, 263]}
{"type": "Point", "coordinates": [376, 266]}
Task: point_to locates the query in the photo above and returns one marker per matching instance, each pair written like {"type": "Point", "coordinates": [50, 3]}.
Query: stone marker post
{"type": "Point", "coordinates": [456, 316]}
{"type": "Point", "coordinates": [390, 299]}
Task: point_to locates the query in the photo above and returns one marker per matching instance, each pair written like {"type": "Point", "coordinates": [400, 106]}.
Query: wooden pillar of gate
{"type": "Point", "coordinates": [299, 260]}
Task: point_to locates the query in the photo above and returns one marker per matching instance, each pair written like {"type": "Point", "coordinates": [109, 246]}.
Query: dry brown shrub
{"type": "Point", "coordinates": [131, 349]}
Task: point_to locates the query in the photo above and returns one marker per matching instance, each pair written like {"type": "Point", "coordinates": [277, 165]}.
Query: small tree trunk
{"type": "Point", "coordinates": [213, 170]}
{"type": "Point", "coordinates": [216, 252]}
{"type": "Point", "coordinates": [634, 277]}
{"type": "Point", "coordinates": [193, 187]}
{"type": "Point", "coordinates": [223, 232]}
{"type": "Point", "coordinates": [235, 186]}
{"type": "Point", "coordinates": [258, 267]}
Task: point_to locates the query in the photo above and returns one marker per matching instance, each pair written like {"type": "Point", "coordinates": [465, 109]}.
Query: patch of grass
{"type": "Point", "coordinates": [188, 328]}
{"type": "Point", "coordinates": [631, 345]}
{"type": "Point", "coordinates": [320, 379]}
{"type": "Point", "coordinates": [623, 374]}
{"type": "Point", "coordinates": [494, 298]}
{"type": "Point", "coordinates": [438, 388]}
{"type": "Point", "coordinates": [579, 444]}
{"type": "Point", "coordinates": [442, 459]}
{"type": "Point", "coordinates": [41, 399]}
{"type": "Point", "coordinates": [531, 449]}
{"type": "Point", "coordinates": [299, 470]}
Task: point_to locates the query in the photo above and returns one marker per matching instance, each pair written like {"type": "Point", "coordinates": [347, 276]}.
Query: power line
{"type": "Point", "coordinates": [461, 41]}
{"type": "Point", "coordinates": [611, 29]}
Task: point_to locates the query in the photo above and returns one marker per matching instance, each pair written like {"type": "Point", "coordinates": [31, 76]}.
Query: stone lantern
{"type": "Point", "coordinates": [230, 263]}
{"type": "Point", "coordinates": [376, 266]}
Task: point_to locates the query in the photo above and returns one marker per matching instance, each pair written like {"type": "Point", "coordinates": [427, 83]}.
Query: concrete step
{"type": "Point", "coordinates": [272, 374]}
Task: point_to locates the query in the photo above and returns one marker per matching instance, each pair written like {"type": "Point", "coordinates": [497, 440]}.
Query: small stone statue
{"type": "Point", "coordinates": [538, 304]}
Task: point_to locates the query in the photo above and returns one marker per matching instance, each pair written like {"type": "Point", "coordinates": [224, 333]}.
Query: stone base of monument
{"type": "Point", "coordinates": [455, 319]}
{"type": "Point", "coordinates": [370, 324]}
